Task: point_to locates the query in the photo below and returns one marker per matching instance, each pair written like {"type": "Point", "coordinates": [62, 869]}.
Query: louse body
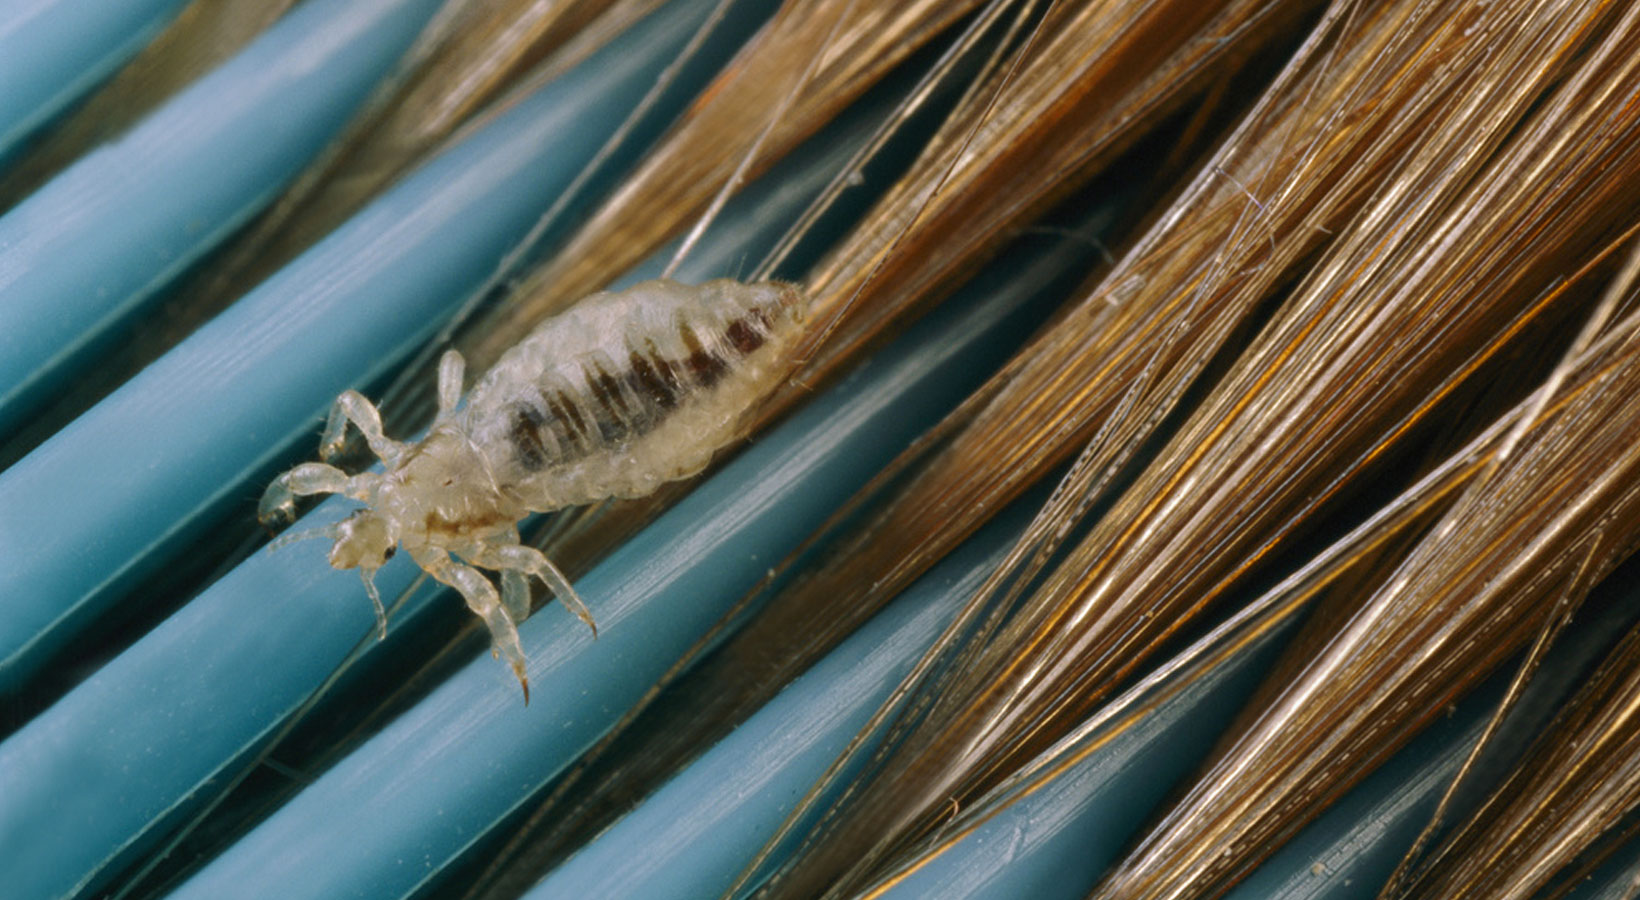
{"type": "Point", "coordinates": [621, 394]}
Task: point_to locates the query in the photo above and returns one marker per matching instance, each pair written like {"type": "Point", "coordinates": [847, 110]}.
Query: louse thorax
{"type": "Point", "coordinates": [438, 494]}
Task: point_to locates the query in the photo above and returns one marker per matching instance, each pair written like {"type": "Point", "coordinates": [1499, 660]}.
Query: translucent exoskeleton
{"type": "Point", "coordinates": [622, 393]}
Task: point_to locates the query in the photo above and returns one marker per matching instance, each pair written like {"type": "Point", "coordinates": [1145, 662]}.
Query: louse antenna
{"type": "Point", "coordinates": [305, 534]}
{"type": "Point", "coordinates": [734, 181]}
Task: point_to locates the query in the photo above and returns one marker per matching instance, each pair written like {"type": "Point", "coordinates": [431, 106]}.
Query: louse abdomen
{"type": "Point", "coordinates": [633, 389]}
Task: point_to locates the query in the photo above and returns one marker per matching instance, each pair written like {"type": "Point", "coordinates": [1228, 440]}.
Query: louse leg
{"type": "Point", "coordinates": [521, 558]}
{"type": "Point", "coordinates": [369, 578]}
{"type": "Point", "coordinates": [451, 369]}
{"type": "Point", "coordinates": [351, 406]}
{"type": "Point", "coordinates": [482, 599]}
{"type": "Point", "coordinates": [515, 585]}
{"type": "Point", "coordinates": [278, 506]}
{"type": "Point", "coordinates": [515, 594]}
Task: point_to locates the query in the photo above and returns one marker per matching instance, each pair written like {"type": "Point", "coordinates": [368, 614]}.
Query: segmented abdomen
{"type": "Point", "coordinates": [631, 389]}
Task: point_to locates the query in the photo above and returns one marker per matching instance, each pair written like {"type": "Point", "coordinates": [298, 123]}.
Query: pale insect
{"type": "Point", "coordinates": [620, 394]}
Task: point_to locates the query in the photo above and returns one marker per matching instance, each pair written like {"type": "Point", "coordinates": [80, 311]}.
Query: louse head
{"type": "Point", "coordinates": [363, 541]}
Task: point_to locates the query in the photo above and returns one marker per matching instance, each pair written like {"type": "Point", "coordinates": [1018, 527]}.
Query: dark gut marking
{"type": "Point", "coordinates": [655, 380]}
{"type": "Point", "coordinates": [525, 434]}
{"type": "Point", "coordinates": [568, 413]}
{"type": "Point", "coordinates": [743, 337]}
{"type": "Point", "coordinates": [618, 419]}
{"type": "Point", "coordinates": [707, 368]}
{"type": "Point", "coordinates": [611, 392]}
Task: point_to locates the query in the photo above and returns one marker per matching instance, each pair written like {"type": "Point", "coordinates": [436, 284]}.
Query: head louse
{"type": "Point", "coordinates": [620, 394]}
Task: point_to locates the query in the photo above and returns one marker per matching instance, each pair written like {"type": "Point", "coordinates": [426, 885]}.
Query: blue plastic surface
{"type": "Point", "coordinates": [414, 797]}
{"type": "Point", "coordinates": [1056, 842]}
{"type": "Point", "coordinates": [1352, 849]}
{"type": "Point", "coordinates": [99, 778]}
{"type": "Point", "coordinates": [83, 253]}
{"type": "Point", "coordinates": [53, 51]}
{"type": "Point", "coordinates": [141, 474]}
{"type": "Point", "coordinates": [740, 790]}
{"type": "Point", "coordinates": [214, 652]}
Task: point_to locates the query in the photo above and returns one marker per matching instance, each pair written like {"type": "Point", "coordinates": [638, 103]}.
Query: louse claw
{"type": "Point", "coordinates": [278, 506]}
